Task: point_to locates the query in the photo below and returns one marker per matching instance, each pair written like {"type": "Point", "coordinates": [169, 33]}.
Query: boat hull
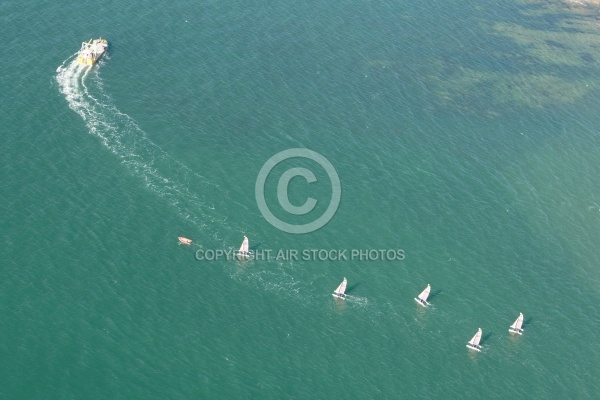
{"type": "Point", "coordinates": [421, 302]}
{"type": "Point", "coordinates": [184, 240]}
{"type": "Point", "coordinates": [89, 61]}
{"type": "Point", "coordinates": [472, 347]}
{"type": "Point", "coordinates": [339, 296]}
{"type": "Point", "coordinates": [517, 331]}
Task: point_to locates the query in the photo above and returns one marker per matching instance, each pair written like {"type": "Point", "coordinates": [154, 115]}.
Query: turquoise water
{"type": "Point", "coordinates": [463, 134]}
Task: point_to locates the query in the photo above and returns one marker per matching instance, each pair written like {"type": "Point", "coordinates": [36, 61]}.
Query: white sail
{"type": "Point", "coordinates": [425, 294]}
{"type": "Point", "coordinates": [475, 341]}
{"type": "Point", "coordinates": [516, 326]}
{"type": "Point", "coordinates": [341, 290]}
{"type": "Point", "coordinates": [244, 246]}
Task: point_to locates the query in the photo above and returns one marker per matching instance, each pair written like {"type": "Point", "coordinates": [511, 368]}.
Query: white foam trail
{"type": "Point", "coordinates": [82, 87]}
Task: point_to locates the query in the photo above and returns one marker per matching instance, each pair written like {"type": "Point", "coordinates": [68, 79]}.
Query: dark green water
{"type": "Point", "coordinates": [463, 134]}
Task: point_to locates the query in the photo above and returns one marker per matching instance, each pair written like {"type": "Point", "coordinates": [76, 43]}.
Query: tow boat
{"type": "Point", "coordinates": [91, 51]}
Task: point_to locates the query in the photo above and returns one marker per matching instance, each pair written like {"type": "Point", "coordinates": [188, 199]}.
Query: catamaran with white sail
{"type": "Point", "coordinates": [516, 326]}
{"type": "Point", "coordinates": [243, 252]}
{"type": "Point", "coordinates": [422, 298]}
{"type": "Point", "coordinates": [474, 343]}
{"type": "Point", "coordinates": [340, 292]}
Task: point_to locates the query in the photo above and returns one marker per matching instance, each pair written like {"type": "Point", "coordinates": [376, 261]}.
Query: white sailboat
{"type": "Point", "coordinates": [516, 326]}
{"type": "Point", "coordinates": [474, 343]}
{"type": "Point", "coordinates": [422, 298]}
{"type": "Point", "coordinates": [243, 252]}
{"type": "Point", "coordinates": [340, 292]}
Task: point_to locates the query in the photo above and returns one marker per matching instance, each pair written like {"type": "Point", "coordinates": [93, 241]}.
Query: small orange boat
{"type": "Point", "coordinates": [184, 240]}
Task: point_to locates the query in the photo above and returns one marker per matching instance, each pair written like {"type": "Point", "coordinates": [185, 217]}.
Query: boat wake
{"type": "Point", "coordinates": [358, 300]}
{"type": "Point", "coordinates": [83, 89]}
{"type": "Point", "coordinates": [173, 181]}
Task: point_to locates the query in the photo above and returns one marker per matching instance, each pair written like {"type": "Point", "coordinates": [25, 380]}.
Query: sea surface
{"type": "Point", "coordinates": [464, 134]}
